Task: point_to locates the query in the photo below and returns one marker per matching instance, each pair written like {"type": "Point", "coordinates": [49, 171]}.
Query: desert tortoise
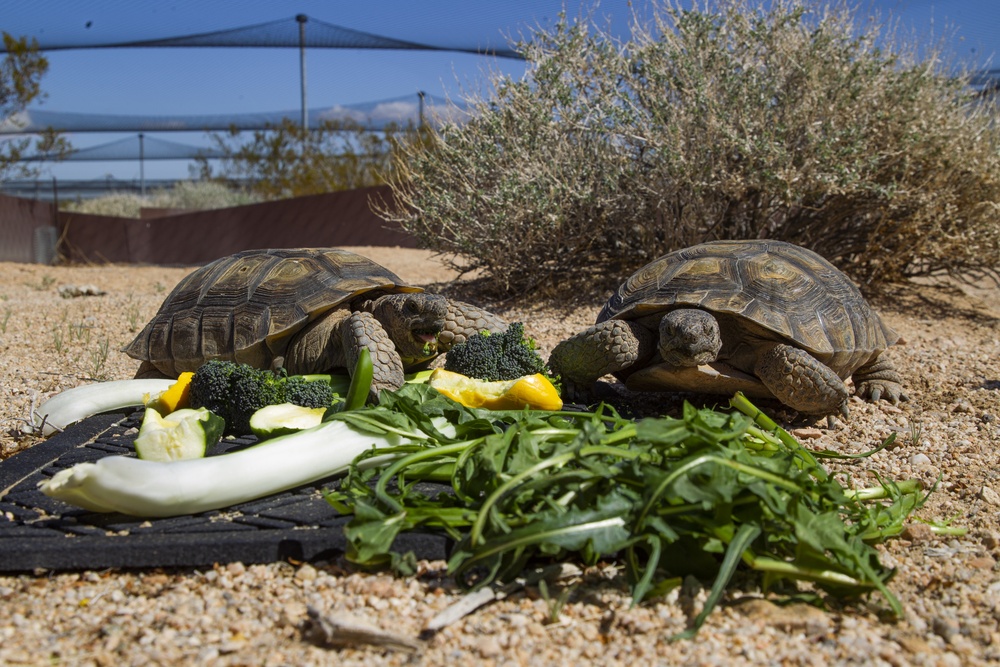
{"type": "Point", "coordinates": [765, 317]}
{"type": "Point", "coordinates": [308, 310]}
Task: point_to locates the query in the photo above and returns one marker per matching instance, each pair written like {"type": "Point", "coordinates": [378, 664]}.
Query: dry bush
{"type": "Point", "coordinates": [726, 121]}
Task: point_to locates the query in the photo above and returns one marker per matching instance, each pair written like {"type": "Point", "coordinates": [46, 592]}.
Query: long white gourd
{"type": "Point", "coordinates": [72, 405]}
{"type": "Point", "coordinates": [159, 489]}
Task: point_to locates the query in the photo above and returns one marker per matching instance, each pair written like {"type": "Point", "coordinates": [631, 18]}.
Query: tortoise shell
{"type": "Point", "coordinates": [245, 307]}
{"type": "Point", "coordinates": [776, 289]}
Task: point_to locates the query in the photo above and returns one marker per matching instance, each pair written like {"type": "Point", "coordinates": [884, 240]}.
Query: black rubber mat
{"type": "Point", "coordinates": [38, 532]}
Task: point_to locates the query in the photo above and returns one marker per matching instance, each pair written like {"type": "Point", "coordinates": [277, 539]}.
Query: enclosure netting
{"type": "Point", "coordinates": [286, 33]}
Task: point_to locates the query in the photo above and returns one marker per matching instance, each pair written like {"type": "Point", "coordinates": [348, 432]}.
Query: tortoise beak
{"type": "Point", "coordinates": [427, 339]}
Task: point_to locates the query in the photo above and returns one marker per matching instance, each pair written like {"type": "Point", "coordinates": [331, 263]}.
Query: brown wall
{"type": "Point", "coordinates": [152, 212]}
{"type": "Point", "coordinates": [18, 220]}
{"type": "Point", "coordinates": [190, 238]}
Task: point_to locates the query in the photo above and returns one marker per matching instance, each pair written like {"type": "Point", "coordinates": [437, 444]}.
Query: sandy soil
{"type": "Point", "coordinates": [238, 614]}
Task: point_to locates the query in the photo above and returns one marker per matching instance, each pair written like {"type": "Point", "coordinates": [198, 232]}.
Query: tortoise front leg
{"type": "Point", "coordinates": [464, 320]}
{"type": "Point", "coordinates": [607, 347]}
{"type": "Point", "coordinates": [335, 340]}
{"type": "Point", "coordinates": [362, 330]}
{"type": "Point", "coordinates": [802, 382]}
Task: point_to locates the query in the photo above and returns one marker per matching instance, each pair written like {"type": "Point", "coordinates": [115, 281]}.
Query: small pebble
{"type": "Point", "coordinates": [920, 459]}
{"type": "Point", "coordinates": [944, 628]}
{"type": "Point", "coordinates": [982, 563]}
{"type": "Point", "coordinates": [963, 406]}
{"type": "Point", "coordinates": [989, 495]}
{"type": "Point", "coordinates": [918, 532]}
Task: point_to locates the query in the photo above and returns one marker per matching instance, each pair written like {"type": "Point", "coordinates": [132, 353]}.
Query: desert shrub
{"type": "Point", "coordinates": [729, 120]}
{"type": "Point", "coordinates": [193, 195]}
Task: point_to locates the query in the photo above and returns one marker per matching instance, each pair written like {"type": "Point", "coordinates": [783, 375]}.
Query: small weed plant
{"type": "Point", "coordinates": [99, 359]}
{"type": "Point", "coordinates": [80, 333]}
{"type": "Point", "coordinates": [134, 317]}
{"type": "Point", "coordinates": [728, 120]}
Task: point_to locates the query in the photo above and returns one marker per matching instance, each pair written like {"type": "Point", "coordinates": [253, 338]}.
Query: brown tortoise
{"type": "Point", "coordinates": [308, 310]}
{"type": "Point", "coordinates": [765, 317]}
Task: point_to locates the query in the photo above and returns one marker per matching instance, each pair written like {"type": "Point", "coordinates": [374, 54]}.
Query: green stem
{"type": "Point", "coordinates": [793, 571]}
{"type": "Point", "coordinates": [878, 492]}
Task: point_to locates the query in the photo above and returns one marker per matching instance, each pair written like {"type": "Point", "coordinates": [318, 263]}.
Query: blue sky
{"type": "Point", "coordinates": [239, 80]}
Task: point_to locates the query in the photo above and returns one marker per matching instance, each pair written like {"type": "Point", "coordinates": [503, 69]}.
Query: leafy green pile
{"type": "Point", "coordinates": [700, 495]}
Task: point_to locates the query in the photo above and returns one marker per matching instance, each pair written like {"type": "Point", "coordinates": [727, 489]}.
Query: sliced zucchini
{"type": "Point", "coordinates": [284, 418]}
{"type": "Point", "coordinates": [183, 434]}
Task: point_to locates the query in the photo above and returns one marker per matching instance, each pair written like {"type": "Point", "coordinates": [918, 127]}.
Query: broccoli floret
{"type": "Point", "coordinates": [235, 391]}
{"type": "Point", "coordinates": [507, 355]}
{"type": "Point", "coordinates": [209, 387]}
{"type": "Point", "coordinates": [308, 394]}
{"type": "Point", "coordinates": [250, 389]}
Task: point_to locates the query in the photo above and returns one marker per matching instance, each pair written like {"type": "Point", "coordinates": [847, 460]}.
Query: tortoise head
{"type": "Point", "coordinates": [689, 337]}
{"type": "Point", "coordinates": [413, 322]}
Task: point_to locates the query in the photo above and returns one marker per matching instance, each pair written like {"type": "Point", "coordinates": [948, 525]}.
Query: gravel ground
{"type": "Point", "coordinates": [236, 614]}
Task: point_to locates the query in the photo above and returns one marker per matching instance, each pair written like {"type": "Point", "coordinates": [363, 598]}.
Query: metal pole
{"type": "Point", "coordinates": [142, 169]}
{"type": "Point", "coordinates": [302, 19]}
{"type": "Point", "coordinates": [421, 94]}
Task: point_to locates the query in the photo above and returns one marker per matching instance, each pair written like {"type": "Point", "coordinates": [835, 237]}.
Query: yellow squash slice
{"type": "Point", "coordinates": [532, 391]}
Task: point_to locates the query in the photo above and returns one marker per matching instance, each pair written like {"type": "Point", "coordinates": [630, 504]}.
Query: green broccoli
{"type": "Point", "coordinates": [235, 391]}
{"type": "Point", "coordinates": [309, 393]}
{"type": "Point", "coordinates": [209, 387]}
{"type": "Point", "coordinates": [507, 355]}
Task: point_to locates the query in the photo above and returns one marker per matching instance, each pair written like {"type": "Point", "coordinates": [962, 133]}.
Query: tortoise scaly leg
{"type": "Point", "coordinates": [879, 379]}
{"type": "Point", "coordinates": [361, 329]}
{"type": "Point", "coordinates": [801, 381]}
{"type": "Point", "coordinates": [606, 347]}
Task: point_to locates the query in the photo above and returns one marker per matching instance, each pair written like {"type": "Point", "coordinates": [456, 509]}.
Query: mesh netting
{"type": "Point", "coordinates": [282, 33]}
{"type": "Point", "coordinates": [373, 116]}
{"type": "Point", "coordinates": [134, 148]}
